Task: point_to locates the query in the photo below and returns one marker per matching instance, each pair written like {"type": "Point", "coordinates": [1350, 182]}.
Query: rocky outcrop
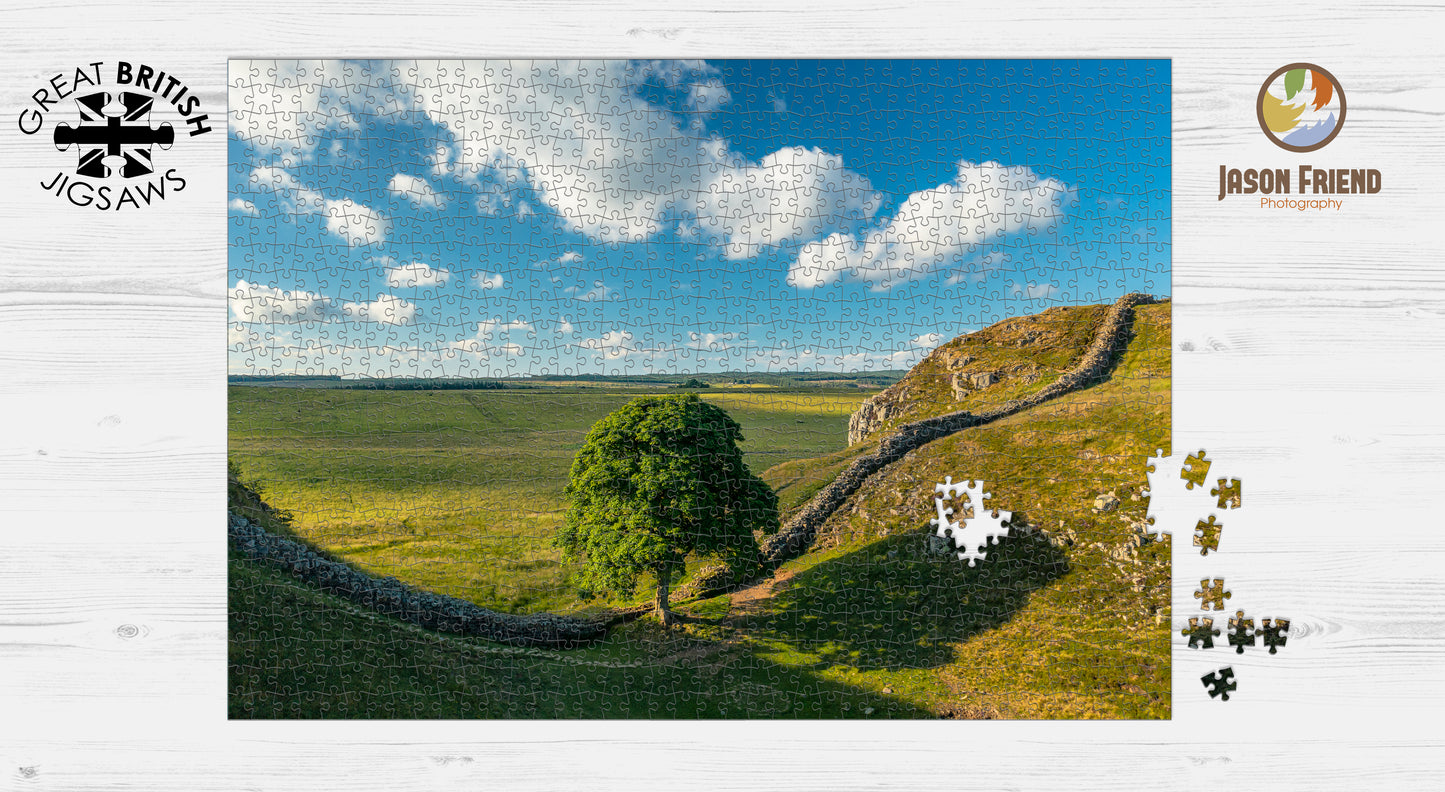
{"type": "Point", "coordinates": [390, 597]}
{"type": "Point", "coordinates": [1111, 339]}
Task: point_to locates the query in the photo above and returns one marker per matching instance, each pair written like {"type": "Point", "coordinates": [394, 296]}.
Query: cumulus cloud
{"type": "Point", "coordinates": [712, 342]}
{"type": "Point", "coordinates": [242, 206]}
{"type": "Point", "coordinates": [927, 340]}
{"type": "Point", "coordinates": [415, 189]}
{"type": "Point", "coordinates": [616, 167]}
{"type": "Point", "coordinates": [482, 345]}
{"type": "Point", "coordinates": [934, 227]}
{"type": "Point", "coordinates": [288, 103]}
{"type": "Point", "coordinates": [490, 327]}
{"type": "Point", "coordinates": [489, 280]}
{"type": "Point", "coordinates": [354, 223]}
{"type": "Point", "coordinates": [1033, 291]}
{"type": "Point", "coordinates": [708, 96]}
{"type": "Point", "coordinates": [415, 274]}
{"type": "Point", "coordinates": [564, 327]}
{"type": "Point", "coordinates": [570, 258]}
{"type": "Point", "coordinates": [599, 291]}
{"type": "Point", "coordinates": [614, 344]}
{"type": "Point", "coordinates": [256, 303]}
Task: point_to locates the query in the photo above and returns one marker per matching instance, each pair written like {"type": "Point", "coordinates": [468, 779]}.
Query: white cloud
{"type": "Point", "coordinates": [1033, 291]}
{"type": "Point", "coordinates": [489, 280]}
{"type": "Point", "coordinates": [354, 223]}
{"type": "Point", "coordinates": [284, 105]}
{"type": "Point", "coordinates": [927, 340]}
{"type": "Point", "coordinates": [934, 227]}
{"type": "Point", "coordinates": [242, 206]}
{"type": "Point", "coordinates": [712, 342]}
{"type": "Point", "coordinates": [252, 302]}
{"type": "Point", "coordinates": [415, 189]}
{"type": "Point", "coordinates": [255, 303]}
{"type": "Point", "coordinates": [385, 309]}
{"type": "Point", "coordinates": [570, 258]}
{"type": "Point", "coordinates": [599, 291]}
{"type": "Point", "coordinates": [615, 167]}
{"type": "Point", "coordinates": [614, 344]}
{"type": "Point", "coordinates": [708, 96]}
{"type": "Point", "coordinates": [564, 327]}
{"type": "Point", "coordinates": [489, 327]}
{"type": "Point", "coordinates": [415, 274]}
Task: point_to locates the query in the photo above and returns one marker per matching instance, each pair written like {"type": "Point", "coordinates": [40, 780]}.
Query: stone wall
{"type": "Point", "coordinates": [797, 535]}
{"type": "Point", "coordinates": [390, 597]}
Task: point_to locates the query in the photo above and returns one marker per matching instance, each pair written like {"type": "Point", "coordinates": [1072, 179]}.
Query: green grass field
{"type": "Point", "coordinates": [459, 491]}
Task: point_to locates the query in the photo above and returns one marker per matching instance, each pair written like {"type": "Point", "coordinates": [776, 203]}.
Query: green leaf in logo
{"type": "Point", "coordinates": [1294, 82]}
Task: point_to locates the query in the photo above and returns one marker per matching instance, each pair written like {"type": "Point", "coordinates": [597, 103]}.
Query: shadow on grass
{"type": "Point", "coordinates": [298, 653]}
{"type": "Point", "coordinates": [890, 605]}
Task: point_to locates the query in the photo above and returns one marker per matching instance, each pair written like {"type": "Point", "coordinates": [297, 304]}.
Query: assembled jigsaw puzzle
{"type": "Point", "coordinates": [702, 389]}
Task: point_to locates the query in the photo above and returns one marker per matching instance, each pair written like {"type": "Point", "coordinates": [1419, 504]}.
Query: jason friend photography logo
{"type": "Point", "coordinates": [106, 119]}
{"type": "Point", "coordinates": [1301, 107]}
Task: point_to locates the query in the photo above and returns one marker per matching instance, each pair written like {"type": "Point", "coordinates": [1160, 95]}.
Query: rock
{"type": "Point", "coordinates": [1106, 502]}
{"type": "Point", "coordinates": [887, 689]}
{"type": "Point", "coordinates": [867, 710]}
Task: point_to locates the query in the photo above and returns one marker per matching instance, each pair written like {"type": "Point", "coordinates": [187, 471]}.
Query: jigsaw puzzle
{"type": "Point", "coordinates": [624, 389]}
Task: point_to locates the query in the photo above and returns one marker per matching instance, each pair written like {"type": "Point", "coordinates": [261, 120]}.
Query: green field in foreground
{"type": "Point", "coordinates": [460, 492]}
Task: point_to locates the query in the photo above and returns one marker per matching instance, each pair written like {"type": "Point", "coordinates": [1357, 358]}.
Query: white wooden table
{"type": "Point", "coordinates": [1308, 351]}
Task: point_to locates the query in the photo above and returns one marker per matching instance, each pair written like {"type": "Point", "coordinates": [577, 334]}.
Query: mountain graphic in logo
{"type": "Point", "coordinates": [1301, 107]}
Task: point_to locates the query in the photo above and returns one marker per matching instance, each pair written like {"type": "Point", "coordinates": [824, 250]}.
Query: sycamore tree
{"type": "Point", "coordinates": [655, 481]}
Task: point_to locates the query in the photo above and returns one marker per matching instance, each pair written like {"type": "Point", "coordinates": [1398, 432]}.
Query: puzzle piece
{"type": "Point", "coordinates": [1201, 633]}
{"type": "Point", "coordinates": [1196, 467]}
{"type": "Point", "coordinates": [1241, 632]}
{"type": "Point", "coordinates": [1169, 495]}
{"type": "Point", "coordinates": [1220, 683]}
{"type": "Point", "coordinates": [1272, 632]}
{"type": "Point", "coordinates": [1211, 595]}
{"type": "Point", "coordinates": [1228, 492]}
{"type": "Point", "coordinates": [1206, 535]}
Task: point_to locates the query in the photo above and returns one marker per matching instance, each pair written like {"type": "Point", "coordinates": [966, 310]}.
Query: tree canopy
{"type": "Point", "coordinates": [656, 480]}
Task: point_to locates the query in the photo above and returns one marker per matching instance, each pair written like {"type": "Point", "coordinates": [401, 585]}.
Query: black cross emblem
{"type": "Point", "coordinates": [101, 135]}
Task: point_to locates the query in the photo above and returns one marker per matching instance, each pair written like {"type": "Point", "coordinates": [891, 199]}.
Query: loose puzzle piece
{"type": "Point", "coordinates": [1273, 633]}
{"type": "Point", "coordinates": [1228, 493]}
{"type": "Point", "coordinates": [617, 388]}
{"type": "Point", "coordinates": [1241, 632]}
{"type": "Point", "coordinates": [1211, 595]}
{"type": "Point", "coordinates": [1170, 493]}
{"type": "Point", "coordinates": [1220, 683]}
{"type": "Point", "coordinates": [1196, 467]}
{"type": "Point", "coordinates": [1201, 633]}
{"type": "Point", "coordinates": [1206, 535]}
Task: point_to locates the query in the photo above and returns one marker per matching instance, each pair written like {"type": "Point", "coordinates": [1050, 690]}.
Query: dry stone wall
{"type": "Point", "coordinates": [390, 597]}
{"type": "Point", "coordinates": [1113, 336]}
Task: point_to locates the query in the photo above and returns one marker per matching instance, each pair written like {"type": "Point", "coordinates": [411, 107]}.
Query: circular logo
{"type": "Point", "coordinates": [1301, 107]}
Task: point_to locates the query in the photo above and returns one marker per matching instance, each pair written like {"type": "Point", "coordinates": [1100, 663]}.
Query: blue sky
{"type": "Point", "coordinates": [479, 218]}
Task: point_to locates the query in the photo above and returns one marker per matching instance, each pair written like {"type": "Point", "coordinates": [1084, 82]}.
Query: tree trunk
{"type": "Point", "coordinates": [664, 613]}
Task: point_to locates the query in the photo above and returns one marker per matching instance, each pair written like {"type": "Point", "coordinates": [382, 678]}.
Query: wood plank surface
{"type": "Point", "coordinates": [1308, 351]}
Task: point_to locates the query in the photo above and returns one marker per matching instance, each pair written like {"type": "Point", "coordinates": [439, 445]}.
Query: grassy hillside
{"type": "Point", "coordinates": [1067, 621]}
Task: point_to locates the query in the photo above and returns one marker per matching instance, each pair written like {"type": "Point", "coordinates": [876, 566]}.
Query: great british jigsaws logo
{"type": "Point", "coordinates": [100, 114]}
{"type": "Point", "coordinates": [1301, 107]}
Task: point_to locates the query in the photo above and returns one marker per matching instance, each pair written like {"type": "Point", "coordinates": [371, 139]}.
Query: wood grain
{"type": "Point", "coordinates": [1308, 352]}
